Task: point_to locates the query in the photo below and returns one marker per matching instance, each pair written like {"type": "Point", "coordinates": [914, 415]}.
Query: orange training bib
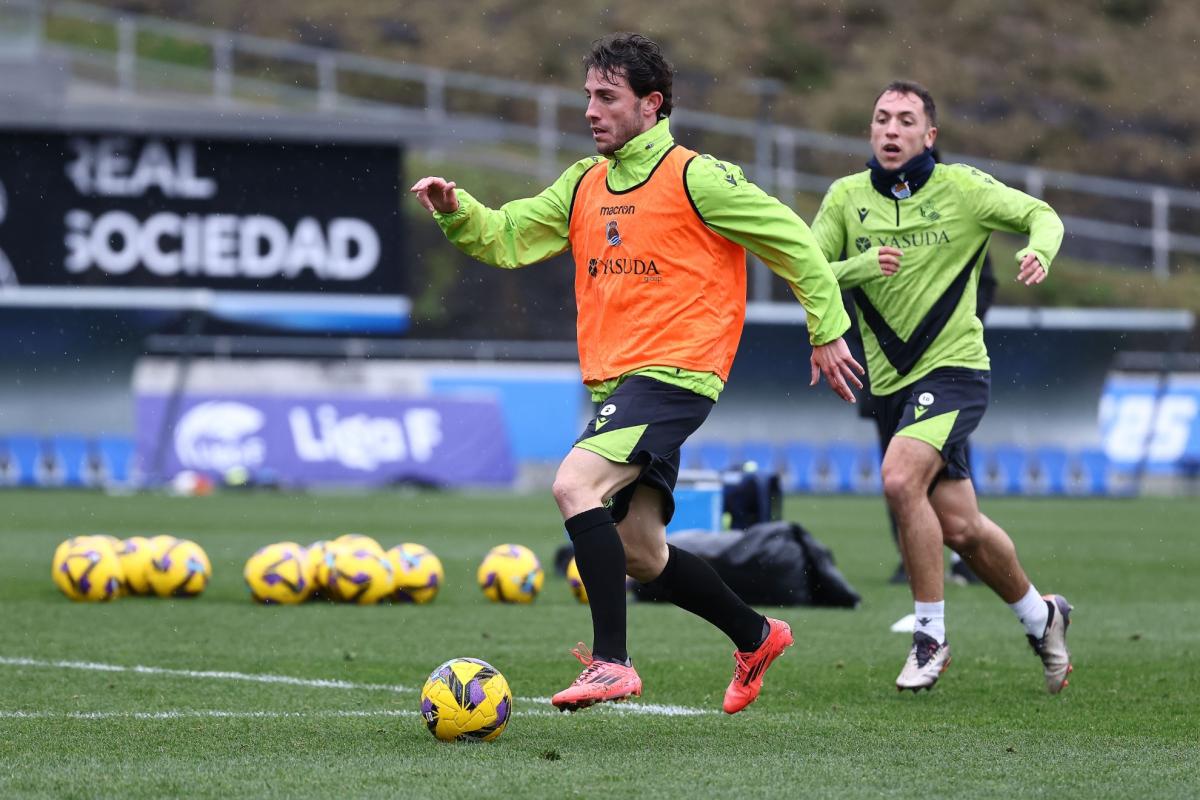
{"type": "Point", "coordinates": [654, 285]}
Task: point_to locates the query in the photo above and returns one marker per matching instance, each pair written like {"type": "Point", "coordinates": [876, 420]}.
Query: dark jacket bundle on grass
{"type": "Point", "coordinates": [772, 563]}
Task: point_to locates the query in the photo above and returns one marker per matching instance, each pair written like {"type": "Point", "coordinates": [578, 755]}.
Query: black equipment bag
{"type": "Point", "coordinates": [772, 563]}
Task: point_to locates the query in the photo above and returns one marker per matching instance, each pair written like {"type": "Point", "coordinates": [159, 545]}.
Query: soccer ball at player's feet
{"type": "Point", "coordinates": [510, 573]}
{"type": "Point", "coordinates": [466, 698]}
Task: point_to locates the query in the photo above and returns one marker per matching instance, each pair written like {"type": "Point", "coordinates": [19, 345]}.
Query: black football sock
{"type": "Point", "coordinates": [691, 583]}
{"type": "Point", "coordinates": [600, 557]}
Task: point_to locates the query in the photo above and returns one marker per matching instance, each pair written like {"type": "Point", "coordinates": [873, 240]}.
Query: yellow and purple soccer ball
{"type": "Point", "coordinates": [510, 573]}
{"type": "Point", "coordinates": [86, 568]}
{"type": "Point", "coordinates": [135, 555]}
{"type": "Point", "coordinates": [178, 568]}
{"type": "Point", "coordinates": [418, 573]}
{"type": "Point", "coordinates": [576, 582]}
{"type": "Point", "coordinates": [466, 698]}
{"type": "Point", "coordinates": [314, 558]}
{"type": "Point", "coordinates": [279, 574]}
{"type": "Point", "coordinates": [357, 573]}
{"type": "Point", "coordinates": [359, 540]}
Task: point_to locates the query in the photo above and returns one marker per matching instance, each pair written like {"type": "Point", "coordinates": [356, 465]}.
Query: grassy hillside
{"type": "Point", "coordinates": [1100, 87]}
{"type": "Point", "coordinates": [1103, 86]}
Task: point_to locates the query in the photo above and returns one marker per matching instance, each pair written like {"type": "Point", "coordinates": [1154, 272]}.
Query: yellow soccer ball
{"type": "Point", "coordinates": [418, 572]}
{"type": "Point", "coordinates": [576, 582]}
{"type": "Point", "coordinates": [466, 698]}
{"type": "Point", "coordinates": [87, 568]}
{"type": "Point", "coordinates": [79, 541]}
{"type": "Point", "coordinates": [160, 543]}
{"type": "Point", "coordinates": [359, 540]}
{"type": "Point", "coordinates": [279, 573]}
{"type": "Point", "coordinates": [357, 574]}
{"type": "Point", "coordinates": [135, 554]}
{"type": "Point", "coordinates": [510, 573]}
{"type": "Point", "coordinates": [180, 569]}
{"type": "Point", "coordinates": [314, 557]}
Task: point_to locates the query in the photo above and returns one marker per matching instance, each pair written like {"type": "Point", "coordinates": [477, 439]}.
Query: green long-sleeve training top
{"type": "Point", "coordinates": [529, 230]}
{"type": "Point", "coordinates": [923, 317]}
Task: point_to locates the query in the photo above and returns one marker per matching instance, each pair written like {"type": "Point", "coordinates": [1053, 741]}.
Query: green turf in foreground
{"type": "Point", "coordinates": [828, 724]}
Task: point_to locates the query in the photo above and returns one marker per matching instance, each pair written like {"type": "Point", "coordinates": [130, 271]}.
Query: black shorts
{"type": "Point", "coordinates": [645, 422]}
{"type": "Point", "coordinates": [942, 409]}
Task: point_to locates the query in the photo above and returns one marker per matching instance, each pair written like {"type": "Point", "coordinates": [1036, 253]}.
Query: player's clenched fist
{"type": "Point", "coordinates": [889, 260]}
{"type": "Point", "coordinates": [436, 194]}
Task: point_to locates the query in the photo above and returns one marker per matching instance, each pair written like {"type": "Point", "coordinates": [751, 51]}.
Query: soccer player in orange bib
{"type": "Point", "coordinates": [659, 235]}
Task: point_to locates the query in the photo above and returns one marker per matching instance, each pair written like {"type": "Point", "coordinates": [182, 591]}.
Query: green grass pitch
{"type": "Point", "coordinates": [829, 722]}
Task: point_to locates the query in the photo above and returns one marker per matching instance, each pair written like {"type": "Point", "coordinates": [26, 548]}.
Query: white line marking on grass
{"type": "Point", "coordinates": [646, 709]}
{"type": "Point", "coordinates": [189, 713]}
{"type": "Point", "coordinates": [650, 709]}
{"type": "Point", "coordinates": [316, 683]}
{"type": "Point", "coordinates": [192, 713]}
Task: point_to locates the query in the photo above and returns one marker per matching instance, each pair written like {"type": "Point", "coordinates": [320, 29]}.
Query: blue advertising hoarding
{"type": "Point", "coordinates": [1150, 420]}
{"type": "Point", "coordinates": [331, 440]}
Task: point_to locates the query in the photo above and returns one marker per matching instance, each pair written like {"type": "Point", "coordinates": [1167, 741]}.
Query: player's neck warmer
{"type": "Point", "coordinates": [898, 184]}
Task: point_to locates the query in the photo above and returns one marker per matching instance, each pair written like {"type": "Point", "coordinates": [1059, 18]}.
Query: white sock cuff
{"type": "Point", "coordinates": [1031, 610]}
{"type": "Point", "coordinates": [937, 609]}
{"type": "Point", "coordinates": [931, 619]}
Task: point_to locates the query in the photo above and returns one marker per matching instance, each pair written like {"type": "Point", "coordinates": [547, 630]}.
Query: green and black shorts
{"type": "Point", "coordinates": [645, 422]}
{"type": "Point", "coordinates": [942, 409]}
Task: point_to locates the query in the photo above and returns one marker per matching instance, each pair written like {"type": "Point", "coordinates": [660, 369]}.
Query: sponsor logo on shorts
{"type": "Point", "coordinates": [923, 402]}
{"type": "Point", "coordinates": [602, 418]}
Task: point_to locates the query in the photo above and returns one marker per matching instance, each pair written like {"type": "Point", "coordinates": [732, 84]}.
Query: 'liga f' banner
{"type": "Point", "coordinates": [341, 440]}
{"type": "Point", "coordinates": [115, 210]}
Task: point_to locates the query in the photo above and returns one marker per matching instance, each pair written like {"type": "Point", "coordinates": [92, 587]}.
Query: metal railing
{"type": "Point", "coordinates": [242, 69]}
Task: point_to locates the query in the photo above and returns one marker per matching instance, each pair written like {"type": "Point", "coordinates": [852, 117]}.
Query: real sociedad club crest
{"type": "Point", "coordinates": [612, 234]}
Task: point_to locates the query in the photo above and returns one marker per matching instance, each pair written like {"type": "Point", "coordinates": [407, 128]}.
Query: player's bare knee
{"type": "Point", "coordinates": [572, 495]}
{"type": "Point", "coordinates": [899, 485]}
{"type": "Point", "coordinates": [562, 490]}
{"type": "Point", "coordinates": [961, 533]}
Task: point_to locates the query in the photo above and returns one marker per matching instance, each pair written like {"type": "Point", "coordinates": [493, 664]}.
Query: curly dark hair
{"type": "Point", "coordinates": [638, 60]}
{"type": "Point", "coordinates": [914, 88]}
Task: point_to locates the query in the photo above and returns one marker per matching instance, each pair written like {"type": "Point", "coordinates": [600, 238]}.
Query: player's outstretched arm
{"type": "Point", "coordinates": [436, 194]}
{"type": "Point", "coordinates": [519, 233]}
{"type": "Point", "coordinates": [833, 360]}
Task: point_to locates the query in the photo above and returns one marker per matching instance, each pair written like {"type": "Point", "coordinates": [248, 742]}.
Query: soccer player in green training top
{"type": "Point", "coordinates": [911, 235]}
{"type": "Point", "coordinates": [659, 235]}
